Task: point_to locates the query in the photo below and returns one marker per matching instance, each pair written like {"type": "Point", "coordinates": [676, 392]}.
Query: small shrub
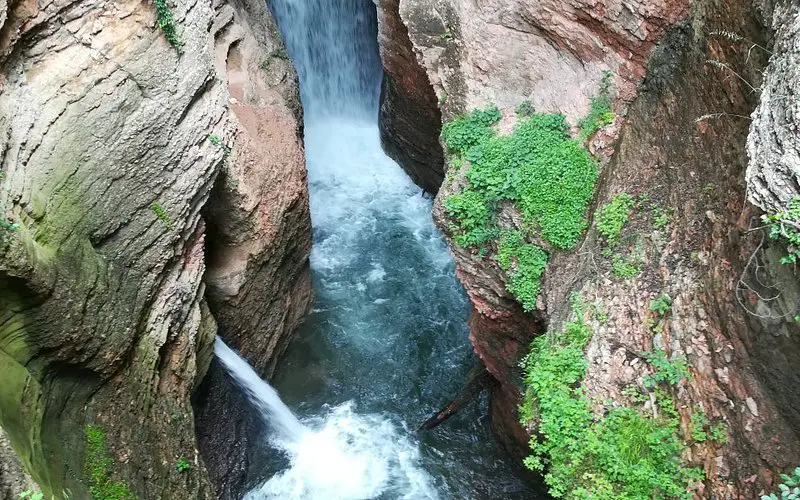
{"type": "Point", "coordinates": [785, 225]}
{"type": "Point", "coordinates": [182, 465]}
{"type": "Point", "coordinates": [667, 371]}
{"type": "Point", "coordinates": [622, 454]}
{"type": "Point", "coordinates": [625, 268]}
{"type": "Point", "coordinates": [612, 216]}
{"type": "Point", "coordinates": [445, 36]}
{"type": "Point", "coordinates": [600, 113]}
{"type": "Point", "coordinates": [98, 467]}
{"type": "Point", "coordinates": [525, 109]}
{"type": "Point", "coordinates": [167, 23]}
{"type": "Point", "coordinates": [789, 489]}
{"type": "Point", "coordinates": [526, 263]}
{"type": "Point", "coordinates": [661, 305]}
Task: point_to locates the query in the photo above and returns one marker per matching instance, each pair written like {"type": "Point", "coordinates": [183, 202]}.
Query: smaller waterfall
{"type": "Point", "coordinates": [276, 414]}
{"type": "Point", "coordinates": [338, 456]}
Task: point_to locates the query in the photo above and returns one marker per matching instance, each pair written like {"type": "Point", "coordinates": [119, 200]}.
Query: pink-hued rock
{"type": "Point", "coordinates": [121, 201]}
{"type": "Point", "coordinates": [683, 87]}
{"type": "Point", "coordinates": [551, 52]}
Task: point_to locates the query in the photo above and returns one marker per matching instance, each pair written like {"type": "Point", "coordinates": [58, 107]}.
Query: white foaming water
{"type": "Point", "coordinates": [357, 195]}
{"type": "Point", "coordinates": [342, 456]}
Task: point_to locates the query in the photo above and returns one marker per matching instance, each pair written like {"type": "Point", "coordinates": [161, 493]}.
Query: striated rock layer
{"type": "Point", "coordinates": [259, 226]}
{"type": "Point", "coordinates": [108, 172]}
{"type": "Point", "coordinates": [685, 79]}
{"type": "Point", "coordinates": [409, 117]}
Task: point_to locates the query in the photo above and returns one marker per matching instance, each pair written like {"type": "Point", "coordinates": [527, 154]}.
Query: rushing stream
{"type": "Point", "coordinates": [386, 344]}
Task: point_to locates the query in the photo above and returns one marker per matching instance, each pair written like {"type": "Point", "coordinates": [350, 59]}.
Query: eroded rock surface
{"type": "Point", "coordinates": [551, 52]}
{"type": "Point", "coordinates": [108, 169]}
{"type": "Point", "coordinates": [684, 77]}
{"type": "Point", "coordinates": [258, 279]}
{"type": "Point", "coordinates": [409, 120]}
{"type": "Point", "coordinates": [774, 173]}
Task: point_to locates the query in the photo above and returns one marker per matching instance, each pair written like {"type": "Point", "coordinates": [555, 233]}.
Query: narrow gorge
{"type": "Point", "coordinates": [353, 249]}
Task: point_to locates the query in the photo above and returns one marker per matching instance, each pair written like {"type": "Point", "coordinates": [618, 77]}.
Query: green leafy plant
{"type": "Point", "coordinates": [525, 109]}
{"type": "Point", "coordinates": [600, 113]}
{"type": "Point", "coordinates": [31, 495]}
{"type": "Point", "coordinates": [661, 305]}
{"type": "Point", "coordinates": [445, 36]}
{"type": "Point", "coordinates": [623, 454]}
{"type": "Point", "coordinates": [547, 175]}
{"type": "Point", "coordinates": [785, 225]}
{"type": "Point", "coordinates": [161, 215]}
{"type": "Point", "coordinates": [525, 263]}
{"type": "Point", "coordinates": [697, 425]}
{"type": "Point", "coordinates": [789, 489]}
{"type": "Point", "coordinates": [98, 467]}
{"type": "Point", "coordinates": [612, 216]}
{"type": "Point", "coordinates": [474, 218]}
{"type": "Point", "coordinates": [217, 141]}
{"type": "Point", "coordinates": [667, 371]}
{"type": "Point", "coordinates": [182, 465]}
{"type": "Point", "coordinates": [625, 268]}
{"type": "Point", "coordinates": [661, 217]}
{"type": "Point", "coordinates": [167, 23]}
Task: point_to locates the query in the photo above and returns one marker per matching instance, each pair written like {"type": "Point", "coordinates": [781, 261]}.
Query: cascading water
{"type": "Point", "coordinates": [386, 345]}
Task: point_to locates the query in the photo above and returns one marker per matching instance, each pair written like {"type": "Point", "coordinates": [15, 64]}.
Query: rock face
{"type": "Point", "coordinates": [108, 172]}
{"type": "Point", "coordinates": [13, 478]}
{"type": "Point", "coordinates": [259, 230]}
{"type": "Point", "coordinates": [772, 177]}
{"type": "Point", "coordinates": [409, 119]}
{"type": "Point", "coordinates": [551, 52]}
{"type": "Point", "coordinates": [683, 87]}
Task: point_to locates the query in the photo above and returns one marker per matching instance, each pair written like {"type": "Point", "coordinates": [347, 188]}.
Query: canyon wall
{"type": "Point", "coordinates": [137, 179]}
{"type": "Point", "coordinates": [685, 78]}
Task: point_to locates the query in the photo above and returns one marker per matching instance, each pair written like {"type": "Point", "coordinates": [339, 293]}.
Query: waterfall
{"type": "Point", "coordinates": [386, 344]}
{"type": "Point", "coordinates": [275, 414]}
{"type": "Point", "coordinates": [342, 456]}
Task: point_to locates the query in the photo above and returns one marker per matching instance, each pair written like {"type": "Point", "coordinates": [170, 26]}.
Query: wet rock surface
{"type": "Point", "coordinates": [113, 143]}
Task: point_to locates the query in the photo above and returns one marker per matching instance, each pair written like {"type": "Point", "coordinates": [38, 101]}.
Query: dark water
{"type": "Point", "coordinates": [386, 345]}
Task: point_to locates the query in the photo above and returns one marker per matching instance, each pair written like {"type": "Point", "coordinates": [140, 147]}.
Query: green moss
{"type": "Point", "coordinates": [98, 467]}
{"type": "Point", "coordinates": [625, 454]}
